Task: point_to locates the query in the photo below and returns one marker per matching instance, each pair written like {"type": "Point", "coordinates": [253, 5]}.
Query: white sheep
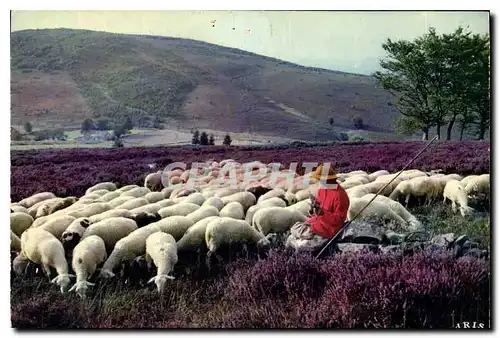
{"type": "Point", "coordinates": [151, 208]}
{"type": "Point", "coordinates": [41, 247]}
{"type": "Point", "coordinates": [225, 230]}
{"type": "Point", "coordinates": [226, 191]}
{"type": "Point", "coordinates": [276, 219]}
{"type": "Point", "coordinates": [153, 181]}
{"type": "Point", "coordinates": [181, 209]}
{"type": "Point", "coordinates": [135, 203]}
{"type": "Point", "coordinates": [87, 255]}
{"type": "Point", "coordinates": [134, 244]}
{"type": "Point", "coordinates": [15, 207]}
{"type": "Point", "coordinates": [196, 198]}
{"type": "Point", "coordinates": [111, 230]}
{"type": "Point", "coordinates": [110, 186]}
{"type": "Point", "coordinates": [276, 192]}
{"type": "Point", "coordinates": [33, 210]}
{"type": "Point", "coordinates": [154, 196]}
{"type": "Point", "coordinates": [90, 210]}
{"type": "Point", "coordinates": [137, 192]}
{"type": "Point", "coordinates": [19, 222]}
{"type": "Point", "coordinates": [112, 213]}
{"type": "Point", "coordinates": [194, 235]}
{"type": "Point", "coordinates": [214, 202]}
{"type": "Point", "coordinates": [203, 212]}
{"type": "Point", "coordinates": [116, 202]}
{"type": "Point", "coordinates": [245, 198]}
{"type": "Point", "coordinates": [233, 210]}
{"type": "Point", "coordinates": [270, 202]}
{"type": "Point", "coordinates": [455, 192]}
{"type": "Point", "coordinates": [15, 242]}
{"type": "Point", "coordinates": [100, 192]}
{"type": "Point", "coordinates": [127, 188]}
{"type": "Point", "coordinates": [358, 191]}
{"type": "Point", "coordinates": [374, 175]}
{"type": "Point", "coordinates": [478, 185]}
{"type": "Point", "coordinates": [56, 226]}
{"type": "Point", "coordinates": [398, 208]}
{"type": "Point", "coordinates": [466, 179]}
{"type": "Point", "coordinates": [109, 196]}
{"type": "Point", "coordinates": [74, 232]}
{"type": "Point", "coordinates": [376, 209]}
{"type": "Point", "coordinates": [161, 248]}
{"type": "Point", "coordinates": [418, 186]}
{"type": "Point", "coordinates": [303, 206]}
{"type": "Point", "coordinates": [165, 203]}
{"type": "Point", "coordinates": [34, 199]}
{"type": "Point", "coordinates": [167, 192]}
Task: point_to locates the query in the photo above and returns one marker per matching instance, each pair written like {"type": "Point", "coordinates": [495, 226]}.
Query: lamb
{"type": "Point", "coordinates": [74, 232]}
{"type": "Point", "coordinates": [161, 248]}
{"type": "Point", "coordinates": [455, 192]}
{"type": "Point", "coordinates": [222, 192]}
{"type": "Point", "coordinates": [134, 203]}
{"type": "Point", "coordinates": [112, 213]}
{"type": "Point", "coordinates": [87, 255]}
{"type": "Point", "coordinates": [15, 242]}
{"type": "Point", "coordinates": [376, 209]}
{"type": "Point", "coordinates": [202, 213]}
{"type": "Point", "coordinates": [118, 201]}
{"type": "Point", "coordinates": [398, 208]}
{"type": "Point", "coordinates": [151, 208]}
{"type": "Point", "coordinates": [110, 186]}
{"type": "Point", "coordinates": [225, 230]}
{"type": "Point", "coordinates": [14, 207]}
{"type": "Point", "coordinates": [465, 180]}
{"type": "Point", "coordinates": [63, 204]}
{"type": "Point", "coordinates": [276, 219]}
{"type": "Point", "coordinates": [245, 198]}
{"type": "Point", "coordinates": [270, 202]}
{"type": "Point", "coordinates": [153, 181]}
{"type": "Point", "coordinates": [134, 244]}
{"type": "Point", "coordinates": [478, 185]}
{"type": "Point", "coordinates": [41, 247]}
{"type": "Point", "coordinates": [137, 192]}
{"type": "Point", "coordinates": [100, 192]}
{"type": "Point", "coordinates": [214, 202]}
{"type": "Point", "coordinates": [350, 183]}
{"type": "Point", "coordinates": [194, 236]}
{"type": "Point", "coordinates": [303, 206]}
{"type": "Point", "coordinates": [57, 225]}
{"type": "Point", "coordinates": [154, 196]}
{"type": "Point", "coordinates": [34, 199]}
{"type": "Point", "coordinates": [111, 230]}
{"type": "Point", "coordinates": [276, 192]}
{"type": "Point", "coordinates": [33, 210]}
{"type": "Point", "coordinates": [233, 210]}
{"type": "Point", "coordinates": [127, 188]}
{"type": "Point", "coordinates": [165, 203]}
{"type": "Point", "coordinates": [357, 191]}
{"type": "Point", "coordinates": [19, 222]}
{"type": "Point", "coordinates": [181, 209]}
{"type": "Point", "coordinates": [374, 175]}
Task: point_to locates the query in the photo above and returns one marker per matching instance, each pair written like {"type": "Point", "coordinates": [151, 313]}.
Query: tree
{"type": "Point", "coordinates": [196, 137]}
{"type": "Point", "coordinates": [128, 124]}
{"type": "Point", "coordinates": [87, 126]}
{"type": "Point", "coordinates": [102, 124]}
{"type": "Point", "coordinates": [211, 141]}
{"type": "Point", "coordinates": [227, 140]}
{"type": "Point", "coordinates": [204, 139]}
{"type": "Point", "coordinates": [330, 120]}
{"type": "Point", "coordinates": [358, 122]}
{"type": "Point", "coordinates": [118, 131]}
{"type": "Point", "coordinates": [28, 127]}
{"type": "Point", "coordinates": [435, 78]}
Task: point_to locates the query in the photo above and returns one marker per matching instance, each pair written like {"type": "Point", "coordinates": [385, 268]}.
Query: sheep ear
{"type": "Point", "coordinates": [152, 280]}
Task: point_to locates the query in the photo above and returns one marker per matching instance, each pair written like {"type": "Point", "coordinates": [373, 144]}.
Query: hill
{"type": "Point", "coordinates": [61, 76]}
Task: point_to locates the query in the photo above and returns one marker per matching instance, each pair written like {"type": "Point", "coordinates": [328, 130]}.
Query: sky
{"type": "Point", "coordinates": [345, 41]}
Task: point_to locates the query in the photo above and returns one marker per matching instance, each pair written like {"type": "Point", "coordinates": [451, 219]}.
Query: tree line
{"type": "Point", "coordinates": [439, 81]}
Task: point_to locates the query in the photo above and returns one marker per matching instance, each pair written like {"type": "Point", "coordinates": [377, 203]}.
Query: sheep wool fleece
{"type": "Point", "coordinates": [333, 204]}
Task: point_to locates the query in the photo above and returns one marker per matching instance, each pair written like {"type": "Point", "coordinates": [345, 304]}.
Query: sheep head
{"type": "Point", "coordinates": [160, 281]}
{"type": "Point", "coordinates": [81, 287]}
{"type": "Point", "coordinates": [466, 210]}
{"type": "Point", "coordinates": [63, 281]}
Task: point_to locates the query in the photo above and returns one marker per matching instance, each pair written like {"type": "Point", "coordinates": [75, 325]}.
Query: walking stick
{"type": "Point", "coordinates": [346, 224]}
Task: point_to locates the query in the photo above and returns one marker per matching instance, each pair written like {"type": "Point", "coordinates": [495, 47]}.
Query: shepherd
{"type": "Point", "coordinates": [328, 213]}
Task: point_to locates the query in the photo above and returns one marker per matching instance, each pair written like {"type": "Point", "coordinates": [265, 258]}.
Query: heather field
{"type": "Point", "coordinates": [423, 289]}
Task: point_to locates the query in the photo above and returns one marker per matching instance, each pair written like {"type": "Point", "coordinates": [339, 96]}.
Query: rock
{"type": "Point", "coordinates": [416, 236]}
{"type": "Point", "coordinates": [445, 240]}
{"type": "Point", "coordinates": [389, 248]}
{"type": "Point", "coordinates": [461, 240]}
{"type": "Point", "coordinates": [356, 247]}
{"type": "Point", "coordinates": [393, 238]}
{"type": "Point", "coordinates": [475, 252]}
{"type": "Point", "coordinates": [470, 245]}
{"type": "Point", "coordinates": [363, 232]}
{"type": "Point", "coordinates": [411, 247]}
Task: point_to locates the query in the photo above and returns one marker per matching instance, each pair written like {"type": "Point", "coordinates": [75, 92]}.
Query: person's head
{"type": "Point", "coordinates": [325, 173]}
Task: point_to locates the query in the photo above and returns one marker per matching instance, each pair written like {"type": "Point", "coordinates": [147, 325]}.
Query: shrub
{"type": "Point", "coordinates": [196, 137]}
{"type": "Point", "coordinates": [204, 139]}
{"type": "Point", "coordinates": [358, 122]}
{"type": "Point", "coordinates": [227, 140]}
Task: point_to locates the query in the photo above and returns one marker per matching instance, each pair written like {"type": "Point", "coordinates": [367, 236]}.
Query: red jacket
{"type": "Point", "coordinates": [334, 203]}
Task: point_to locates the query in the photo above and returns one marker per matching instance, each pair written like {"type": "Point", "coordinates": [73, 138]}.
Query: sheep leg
{"type": "Point", "coordinates": [453, 206]}
{"type": "Point", "coordinates": [149, 261]}
{"type": "Point", "coordinates": [407, 200]}
{"type": "Point", "coordinates": [46, 269]}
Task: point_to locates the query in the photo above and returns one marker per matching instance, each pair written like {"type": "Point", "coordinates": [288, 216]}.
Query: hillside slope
{"type": "Point", "coordinates": [61, 76]}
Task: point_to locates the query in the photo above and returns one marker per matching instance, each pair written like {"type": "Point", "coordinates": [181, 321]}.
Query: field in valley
{"type": "Point", "coordinates": [278, 290]}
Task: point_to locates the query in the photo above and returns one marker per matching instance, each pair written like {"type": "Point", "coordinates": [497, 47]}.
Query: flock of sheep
{"type": "Point", "coordinates": [182, 210]}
